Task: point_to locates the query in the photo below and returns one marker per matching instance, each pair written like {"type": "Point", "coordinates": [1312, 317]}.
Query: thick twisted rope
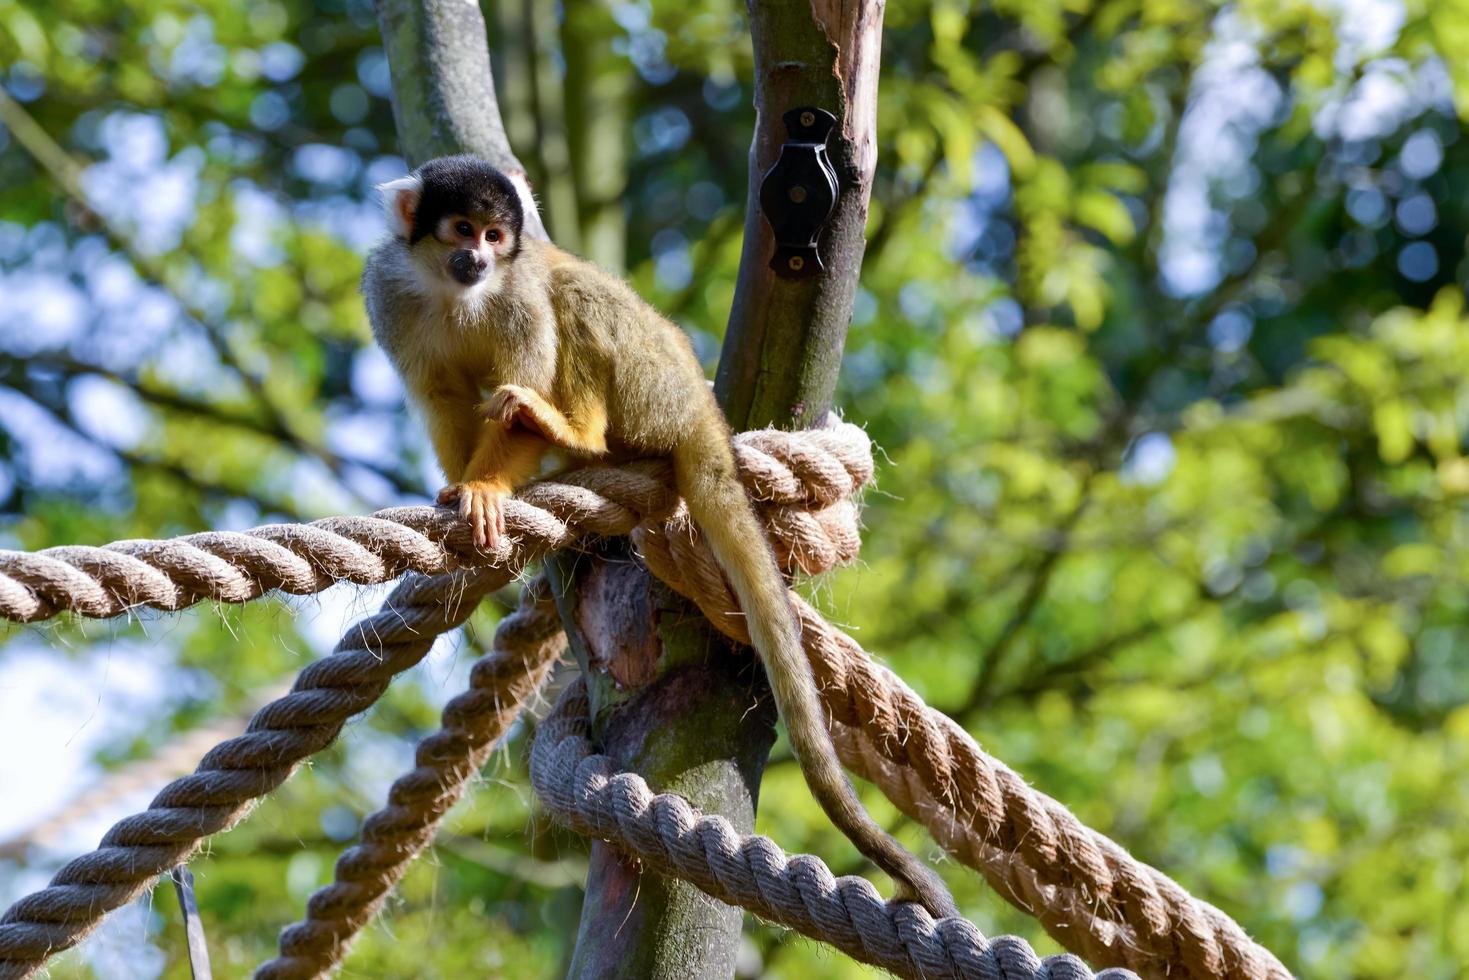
{"type": "Point", "coordinates": [526, 644]}
{"type": "Point", "coordinates": [586, 792]}
{"type": "Point", "coordinates": [1179, 934]}
{"type": "Point", "coordinates": [820, 470]}
{"type": "Point", "coordinates": [1068, 916]}
{"type": "Point", "coordinates": [799, 471]}
{"type": "Point", "coordinates": [241, 770]}
{"type": "Point", "coordinates": [784, 470]}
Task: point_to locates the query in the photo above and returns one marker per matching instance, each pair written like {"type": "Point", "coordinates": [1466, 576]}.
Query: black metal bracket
{"type": "Point", "coordinates": [799, 193]}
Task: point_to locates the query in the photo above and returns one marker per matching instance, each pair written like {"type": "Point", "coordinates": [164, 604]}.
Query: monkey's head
{"type": "Point", "coordinates": [462, 219]}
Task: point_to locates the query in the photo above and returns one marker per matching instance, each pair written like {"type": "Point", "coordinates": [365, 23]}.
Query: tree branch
{"type": "Point", "coordinates": [62, 416]}
{"type": "Point", "coordinates": [1044, 679]}
{"type": "Point", "coordinates": [1035, 590]}
{"type": "Point", "coordinates": [168, 399]}
{"type": "Point", "coordinates": [783, 348]}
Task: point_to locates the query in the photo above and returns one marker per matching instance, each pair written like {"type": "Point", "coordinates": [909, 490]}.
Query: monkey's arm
{"type": "Point", "coordinates": [582, 429]}
{"type": "Point", "coordinates": [505, 456]}
{"type": "Point", "coordinates": [453, 427]}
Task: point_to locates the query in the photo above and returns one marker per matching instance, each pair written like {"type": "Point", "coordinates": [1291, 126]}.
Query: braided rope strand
{"type": "Point", "coordinates": [978, 791]}
{"type": "Point", "coordinates": [586, 792]}
{"type": "Point", "coordinates": [794, 472]}
{"type": "Point", "coordinates": [526, 644]}
{"type": "Point", "coordinates": [813, 542]}
{"type": "Point", "coordinates": [237, 772]}
{"type": "Point", "coordinates": [1068, 916]}
{"type": "Point", "coordinates": [394, 836]}
{"type": "Point", "coordinates": [1088, 892]}
{"type": "Point", "coordinates": [786, 472]}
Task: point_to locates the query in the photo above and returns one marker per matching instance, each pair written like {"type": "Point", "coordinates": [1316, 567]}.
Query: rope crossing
{"type": "Point", "coordinates": [239, 771]}
{"type": "Point", "coordinates": [527, 643]}
{"type": "Point", "coordinates": [1087, 891]}
{"type": "Point", "coordinates": [585, 791]}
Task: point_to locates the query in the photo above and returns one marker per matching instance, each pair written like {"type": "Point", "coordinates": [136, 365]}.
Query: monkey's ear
{"type": "Point", "coordinates": [400, 201]}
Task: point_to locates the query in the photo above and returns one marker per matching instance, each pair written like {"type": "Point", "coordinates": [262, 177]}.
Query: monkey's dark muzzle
{"type": "Point", "coordinates": [467, 267]}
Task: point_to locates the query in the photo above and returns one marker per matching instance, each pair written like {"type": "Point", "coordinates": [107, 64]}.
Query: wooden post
{"type": "Point", "coordinates": [672, 703]}
{"type": "Point", "coordinates": [671, 700]}
{"type": "Point", "coordinates": [783, 349]}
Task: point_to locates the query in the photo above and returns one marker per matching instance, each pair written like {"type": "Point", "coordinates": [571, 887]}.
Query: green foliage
{"type": "Point", "coordinates": [1161, 330]}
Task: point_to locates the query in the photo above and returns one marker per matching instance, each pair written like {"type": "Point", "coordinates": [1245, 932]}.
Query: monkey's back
{"type": "Point", "coordinates": [642, 364]}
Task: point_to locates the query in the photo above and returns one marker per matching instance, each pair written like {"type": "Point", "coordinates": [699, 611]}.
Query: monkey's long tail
{"type": "Point", "coordinates": [706, 476]}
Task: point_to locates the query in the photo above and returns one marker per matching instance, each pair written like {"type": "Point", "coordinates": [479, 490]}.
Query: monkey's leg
{"type": "Point", "coordinates": [517, 405]}
{"type": "Point", "coordinates": [453, 426]}
{"type": "Point", "coordinates": [503, 459]}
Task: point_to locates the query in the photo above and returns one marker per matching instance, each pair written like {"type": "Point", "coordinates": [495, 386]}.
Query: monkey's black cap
{"type": "Point", "coordinates": [469, 186]}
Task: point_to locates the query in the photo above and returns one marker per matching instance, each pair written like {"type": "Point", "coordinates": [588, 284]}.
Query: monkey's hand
{"type": "Point", "coordinates": [515, 406]}
{"type": "Point", "coordinates": [482, 504]}
{"type": "Point", "coordinates": [518, 406]}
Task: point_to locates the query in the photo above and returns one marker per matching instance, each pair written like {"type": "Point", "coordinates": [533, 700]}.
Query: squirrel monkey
{"type": "Point", "coordinates": [512, 348]}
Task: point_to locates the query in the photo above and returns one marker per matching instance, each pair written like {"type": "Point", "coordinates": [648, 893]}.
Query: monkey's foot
{"type": "Point", "coordinates": [514, 406]}
{"type": "Point", "coordinates": [481, 503]}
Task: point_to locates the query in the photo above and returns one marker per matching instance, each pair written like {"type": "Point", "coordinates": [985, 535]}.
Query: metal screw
{"type": "Point", "coordinates": [797, 194]}
{"type": "Point", "coordinates": [807, 118]}
{"type": "Point", "coordinates": [797, 263]}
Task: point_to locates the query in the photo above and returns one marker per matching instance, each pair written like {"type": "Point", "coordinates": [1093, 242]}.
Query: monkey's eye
{"type": "Point", "coordinates": [465, 228]}
{"type": "Point", "coordinates": [493, 235]}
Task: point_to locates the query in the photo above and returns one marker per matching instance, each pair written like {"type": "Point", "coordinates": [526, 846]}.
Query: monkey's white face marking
{"type": "Point", "coordinates": [456, 298]}
{"type": "Point", "coordinates": [479, 248]}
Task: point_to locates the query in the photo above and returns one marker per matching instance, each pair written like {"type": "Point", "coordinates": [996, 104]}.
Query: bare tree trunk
{"type": "Point", "coordinates": [671, 700]}
{"type": "Point", "coordinates": [443, 94]}
{"type": "Point", "coordinates": [671, 703]}
{"type": "Point", "coordinates": [783, 349]}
